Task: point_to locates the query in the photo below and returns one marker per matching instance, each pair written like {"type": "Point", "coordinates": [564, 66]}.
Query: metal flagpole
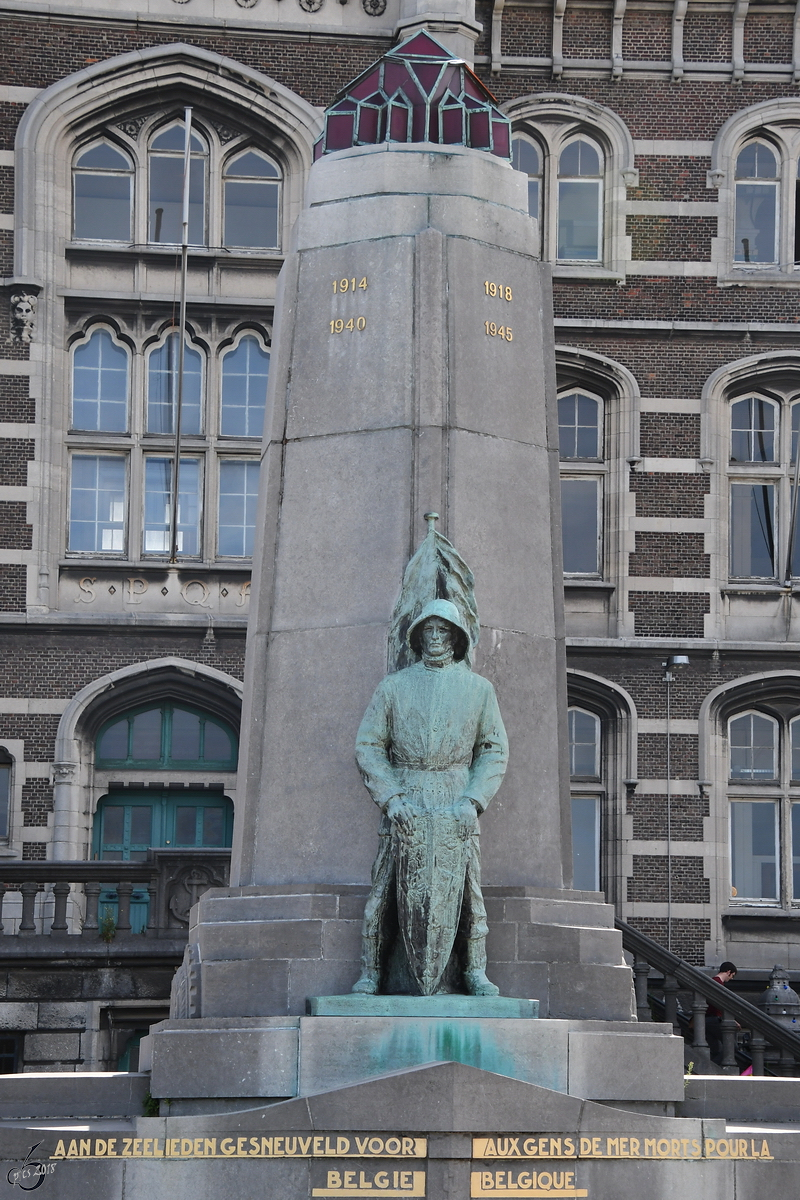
{"type": "Point", "coordinates": [178, 408]}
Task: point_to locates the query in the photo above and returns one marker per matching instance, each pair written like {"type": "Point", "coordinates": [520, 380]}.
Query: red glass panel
{"type": "Point", "coordinates": [339, 131]}
{"type": "Point", "coordinates": [423, 46]}
{"type": "Point", "coordinates": [319, 149]}
{"type": "Point", "coordinates": [419, 123]}
{"type": "Point", "coordinates": [428, 75]}
{"type": "Point", "coordinates": [453, 126]}
{"type": "Point", "coordinates": [479, 130]}
{"type": "Point", "coordinates": [501, 139]}
{"type": "Point", "coordinates": [368, 125]}
{"type": "Point", "coordinates": [366, 85]}
{"type": "Point", "coordinates": [398, 123]}
{"type": "Point", "coordinates": [395, 75]}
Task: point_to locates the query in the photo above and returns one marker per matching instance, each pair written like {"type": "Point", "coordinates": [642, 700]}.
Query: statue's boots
{"type": "Point", "coordinates": [369, 980]}
{"type": "Point", "coordinates": [475, 978]}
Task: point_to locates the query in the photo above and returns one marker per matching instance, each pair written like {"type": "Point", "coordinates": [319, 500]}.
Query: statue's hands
{"type": "Point", "coordinates": [466, 816]}
{"type": "Point", "coordinates": [401, 814]}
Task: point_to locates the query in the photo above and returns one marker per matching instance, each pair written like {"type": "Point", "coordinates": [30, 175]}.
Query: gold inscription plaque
{"type": "Point", "coordinates": [386, 1181]}
{"type": "Point", "coordinates": [618, 1145]}
{"type": "Point", "coordinates": [516, 1181]}
{"type": "Point", "coordinates": [284, 1145]}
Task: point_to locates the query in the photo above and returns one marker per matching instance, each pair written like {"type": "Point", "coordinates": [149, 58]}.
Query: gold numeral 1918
{"type": "Point", "coordinates": [502, 331]}
{"type": "Point", "coordinates": [501, 290]}
{"type": "Point", "coordinates": [350, 285]}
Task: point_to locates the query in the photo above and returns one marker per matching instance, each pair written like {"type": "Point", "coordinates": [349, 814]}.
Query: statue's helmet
{"type": "Point", "coordinates": [447, 611]}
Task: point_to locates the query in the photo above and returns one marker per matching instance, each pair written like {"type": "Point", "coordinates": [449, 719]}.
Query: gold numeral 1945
{"type": "Point", "coordinates": [502, 331]}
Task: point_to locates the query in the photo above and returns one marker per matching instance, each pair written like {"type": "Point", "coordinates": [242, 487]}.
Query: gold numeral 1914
{"type": "Point", "coordinates": [354, 324]}
{"type": "Point", "coordinates": [350, 285]}
{"type": "Point", "coordinates": [502, 331]}
{"type": "Point", "coordinates": [501, 290]}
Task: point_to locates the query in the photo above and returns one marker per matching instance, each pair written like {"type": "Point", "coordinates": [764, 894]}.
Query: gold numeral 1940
{"type": "Point", "coordinates": [350, 285]}
{"type": "Point", "coordinates": [502, 331]}
{"type": "Point", "coordinates": [342, 326]}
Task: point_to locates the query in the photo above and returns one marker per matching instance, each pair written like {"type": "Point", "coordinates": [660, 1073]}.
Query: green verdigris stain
{"type": "Point", "coordinates": [411, 1044]}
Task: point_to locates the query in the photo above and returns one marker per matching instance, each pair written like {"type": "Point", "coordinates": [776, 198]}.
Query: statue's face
{"type": "Point", "coordinates": [437, 637]}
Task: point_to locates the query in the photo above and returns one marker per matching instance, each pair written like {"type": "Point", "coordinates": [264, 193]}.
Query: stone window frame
{"type": "Point", "coordinates": [776, 122]}
{"type": "Point", "coordinates": [211, 446]}
{"type": "Point", "coordinates": [594, 469]}
{"type": "Point", "coordinates": [80, 784]}
{"type": "Point", "coordinates": [127, 89]}
{"type": "Point", "coordinates": [219, 151]}
{"type": "Point", "coordinates": [774, 694]}
{"type": "Point", "coordinates": [551, 121]}
{"type": "Point", "coordinates": [774, 376]}
{"type": "Point", "coordinates": [618, 388]}
{"type": "Point", "coordinates": [616, 711]}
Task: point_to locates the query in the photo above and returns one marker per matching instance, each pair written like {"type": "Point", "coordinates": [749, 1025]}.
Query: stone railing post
{"type": "Point", "coordinates": [60, 898]}
{"type": "Point", "coordinates": [124, 891]}
{"type": "Point", "coordinates": [91, 891]}
{"type": "Point", "coordinates": [641, 971]}
{"type": "Point", "coordinates": [671, 988]}
{"type": "Point", "coordinates": [699, 1006]}
{"type": "Point", "coordinates": [729, 1066]}
{"type": "Point", "coordinates": [27, 925]}
{"type": "Point", "coordinates": [757, 1052]}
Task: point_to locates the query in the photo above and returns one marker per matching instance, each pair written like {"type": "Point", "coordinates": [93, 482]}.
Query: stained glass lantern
{"type": "Point", "coordinates": [416, 93]}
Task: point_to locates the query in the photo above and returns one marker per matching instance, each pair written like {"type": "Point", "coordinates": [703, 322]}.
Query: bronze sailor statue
{"type": "Point", "coordinates": [432, 752]}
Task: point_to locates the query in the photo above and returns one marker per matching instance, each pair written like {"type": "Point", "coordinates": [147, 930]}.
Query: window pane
{"type": "Point", "coordinates": [100, 384]}
{"type": "Point", "coordinates": [162, 388]}
{"type": "Point", "coordinates": [579, 220]}
{"type": "Point", "coordinates": [753, 741]}
{"type": "Point", "coordinates": [174, 138]}
{"type": "Point", "coordinates": [245, 374]}
{"type": "Point", "coordinates": [104, 158]}
{"type": "Point", "coordinates": [238, 497]}
{"type": "Point", "coordinates": [102, 209]}
{"type": "Point", "coordinates": [251, 213]}
{"type": "Point", "coordinates": [186, 826]}
{"type": "Point", "coordinates": [794, 728]}
{"type": "Point", "coordinates": [166, 197]}
{"type": "Point", "coordinates": [97, 504]}
{"type": "Point", "coordinates": [754, 850]}
{"type": "Point", "coordinates": [578, 426]}
{"type": "Point", "coordinates": [756, 223]}
{"type": "Point", "coordinates": [579, 525]}
{"type": "Point", "coordinates": [584, 744]}
{"type": "Point", "coordinates": [157, 513]}
{"type": "Point", "coordinates": [146, 736]}
{"type": "Point", "coordinates": [217, 745]}
{"type": "Point", "coordinates": [114, 742]}
{"type": "Point", "coordinates": [756, 161]}
{"type": "Point", "coordinates": [578, 158]}
{"type": "Point", "coordinates": [752, 430]}
{"type": "Point", "coordinates": [213, 827]}
{"type": "Point", "coordinates": [185, 736]}
{"type": "Point", "coordinates": [5, 797]}
{"type": "Point", "coordinates": [586, 843]}
{"type": "Point", "coordinates": [796, 851]}
{"type": "Point", "coordinates": [253, 164]}
{"type": "Point", "coordinates": [141, 823]}
{"type": "Point", "coordinates": [752, 530]}
{"type": "Point", "coordinates": [524, 156]}
{"type": "Point", "coordinates": [113, 825]}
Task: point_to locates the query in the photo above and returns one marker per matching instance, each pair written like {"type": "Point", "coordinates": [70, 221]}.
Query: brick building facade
{"type": "Point", "coordinates": [661, 145]}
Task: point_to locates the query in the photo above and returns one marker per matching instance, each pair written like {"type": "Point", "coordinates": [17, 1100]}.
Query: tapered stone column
{"type": "Point", "coordinates": [413, 371]}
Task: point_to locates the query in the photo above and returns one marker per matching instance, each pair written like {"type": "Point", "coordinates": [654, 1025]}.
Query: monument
{"type": "Point", "coordinates": [329, 1038]}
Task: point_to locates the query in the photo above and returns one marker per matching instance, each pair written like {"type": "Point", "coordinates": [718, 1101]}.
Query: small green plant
{"type": "Point", "coordinates": [150, 1106]}
{"type": "Point", "coordinates": [108, 926]}
{"type": "Point", "coordinates": [689, 1071]}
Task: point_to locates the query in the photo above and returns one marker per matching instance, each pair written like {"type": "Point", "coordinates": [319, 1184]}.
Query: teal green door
{"type": "Point", "coordinates": [128, 823]}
